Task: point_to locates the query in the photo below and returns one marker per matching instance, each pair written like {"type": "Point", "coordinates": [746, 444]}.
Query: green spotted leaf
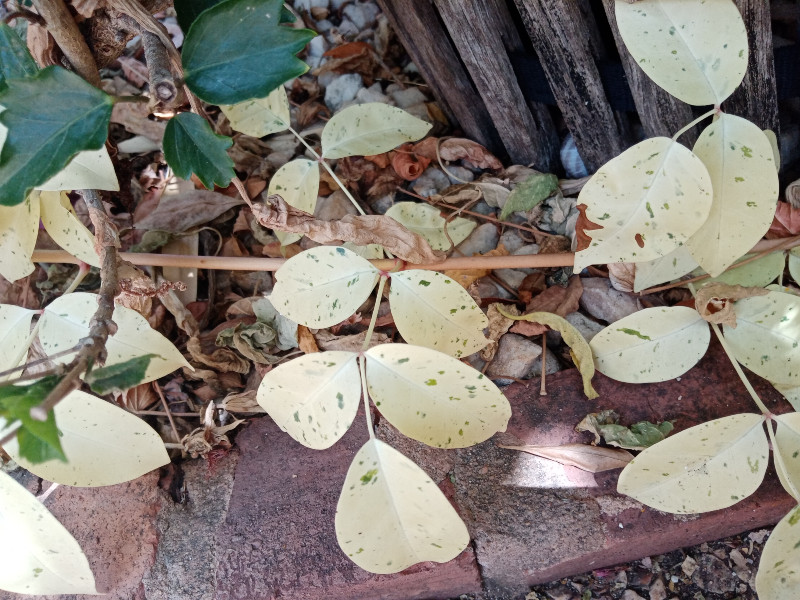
{"type": "Point", "coordinates": [654, 344]}
{"type": "Point", "coordinates": [529, 193]}
{"type": "Point", "coordinates": [297, 182]}
{"type": "Point", "coordinates": [778, 577]}
{"type": "Point", "coordinates": [707, 467]}
{"type": "Point", "coordinates": [260, 116]}
{"type": "Point", "coordinates": [371, 128]}
{"type": "Point", "coordinates": [191, 147]}
{"type": "Point", "coordinates": [15, 328]}
{"type": "Point", "coordinates": [697, 51]}
{"type": "Point", "coordinates": [739, 159]}
{"type": "Point", "coordinates": [432, 310]}
{"type": "Point", "coordinates": [756, 273]}
{"type": "Point", "coordinates": [434, 398]}
{"type": "Point", "coordinates": [665, 268]}
{"type": "Point", "coordinates": [794, 264]}
{"type": "Point", "coordinates": [320, 411]}
{"type": "Point", "coordinates": [19, 226]}
{"type": "Point", "coordinates": [391, 515]}
{"type": "Point", "coordinates": [425, 220]}
{"type": "Point", "coordinates": [51, 117]}
{"type": "Point", "coordinates": [65, 227]}
{"type": "Point", "coordinates": [222, 68]}
{"type": "Point", "coordinates": [648, 201]}
{"type": "Point", "coordinates": [787, 452]}
{"type": "Point", "coordinates": [323, 286]}
{"type": "Point", "coordinates": [28, 566]}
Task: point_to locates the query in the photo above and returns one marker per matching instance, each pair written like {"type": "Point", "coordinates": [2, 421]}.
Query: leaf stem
{"type": "Point", "coordinates": [375, 310]}
{"type": "Point", "coordinates": [362, 361]}
{"type": "Point", "coordinates": [780, 465]}
{"type": "Point", "coordinates": [693, 123]}
{"type": "Point", "coordinates": [12, 431]}
{"type": "Point", "coordinates": [753, 394]}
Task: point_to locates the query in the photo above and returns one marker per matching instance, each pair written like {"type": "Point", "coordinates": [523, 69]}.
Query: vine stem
{"type": "Point", "coordinates": [362, 361]}
{"type": "Point", "coordinates": [686, 128]}
{"type": "Point", "coordinates": [327, 167]}
{"type": "Point", "coordinates": [375, 310]}
{"type": "Point", "coordinates": [779, 464]}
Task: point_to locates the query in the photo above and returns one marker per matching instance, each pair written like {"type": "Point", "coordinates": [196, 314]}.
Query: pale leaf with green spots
{"type": "Point", "coordinates": [669, 267]}
{"type": "Point", "coordinates": [90, 169]}
{"type": "Point", "coordinates": [787, 453]}
{"type": "Point", "coordinates": [707, 467]}
{"type": "Point", "coordinates": [529, 193]}
{"type": "Point", "coordinates": [19, 226]}
{"type": "Point", "coordinates": [778, 577]}
{"type": "Point", "coordinates": [323, 286]}
{"type": "Point", "coordinates": [104, 444]}
{"type": "Point", "coordinates": [297, 182]}
{"type": "Point", "coordinates": [794, 264]}
{"type": "Point", "coordinates": [65, 227]}
{"type": "Point", "coordinates": [426, 220]}
{"type": "Point", "coordinates": [756, 273]}
{"type": "Point", "coordinates": [767, 336]}
{"type": "Point", "coordinates": [260, 116]}
{"type": "Point", "coordinates": [15, 328]}
{"type": "Point", "coordinates": [44, 558]}
{"type": "Point", "coordinates": [745, 182]}
{"type": "Point", "coordinates": [790, 392]}
{"type": "Point", "coordinates": [313, 398]}
{"type": "Point", "coordinates": [579, 348]}
{"type": "Point", "coordinates": [773, 142]}
{"type": "Point", "coordinates": [432, 310]}
{"type": "Point", "coordinates": [66, 322]}
{"type": "Point", "coordinates": [654, 344]}
{"type": "Point", "coordinates": [391, 515]}
{"type": "Point", "coordinates": [696, 51]}
{"type": "Point", "coordinates": [371, 128]}
{"type": "Point", "coordinates": [370, 251]}
{"type": "Point", "coordinates": [648, 201]}
{"type": "Point", "coordinates": [434, 398]}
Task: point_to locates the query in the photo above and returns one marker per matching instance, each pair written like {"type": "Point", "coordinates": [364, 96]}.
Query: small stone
{"type": "Point", "coordinates": [620, 581]}
{"type": "Point", "coordinates": [713, 575]}
{"type": "Point", "coordinates": [408, 97]}
{"type": "Point", "coordinates": [382, 204]}
{"type": "Point", "coordinates": [657, 590]}
{"type": "Point", "coordinates": [511, 240]}
{"type": "Point", "coordinates": [585, 325]}
{"type": "Point", "coordinates": [309, 4]}
{"type": "Point", "coordinates": [630, 595]}
{"type": "Point", "coordinates": [482, 239]}
{"type": "Point", "coordinates": [459, 174]}
{"type": "Point", "coordinates": [561, 592]}
{"type": "Point", "coordinates": [759, 536]}
{"type": "Point", "coordinates": [553, 365]}
{"type": "Point", "coordinates": [432, 181]}
{"type": "Point", "coordinates": [343, 88]}
{"type": "Point", "coordinates": [688, 566]}
{"type": "Point", "coordinates": [324, 26]}
{"type": "Point", "coordinates": [334, 207]}
{"type": "Point", "coordinates": [373, 93]}
{"type": "Point", "coordinates": [347, 29]}
{"type": "Point", "coordinates": [741, 568]}
{"type": "Point", "coordinates": [362, 15]}
{"type": "Point", "coordinates": [603, 302]}
{"type": "Point", "coordinates": [515, 357]}
{"type": "Point", "coordinates": [511, 277]}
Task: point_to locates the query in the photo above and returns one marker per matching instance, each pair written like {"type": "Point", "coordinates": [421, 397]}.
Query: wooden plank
{"type": "Point", "coordinates": [418, 26]}
{"type": "Point", "coordinates": [483, 32]}
{"type": "Point", "coordinates": [661, 113]}
{"type": "Point", "coordinates": [757, 98]}
{"type": "Point", "coordinates": [555, 29]}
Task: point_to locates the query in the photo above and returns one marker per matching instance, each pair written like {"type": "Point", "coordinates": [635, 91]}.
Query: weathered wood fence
{"type": "Point", "coordinates": [511, 72]}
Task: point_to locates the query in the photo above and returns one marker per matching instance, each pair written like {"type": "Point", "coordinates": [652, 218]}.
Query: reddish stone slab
{"type": "Point", "coordinates": [535, 521]}
{"type": "Point", "coordinates": [278, 540]}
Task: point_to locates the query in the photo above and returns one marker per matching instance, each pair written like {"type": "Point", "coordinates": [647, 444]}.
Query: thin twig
{"type": "Point", "coordinates": [162, 81]}
{"type": "Point", "coordinates": [237, 183]}
{"type": "Point", "coordinates": [166, 410]}
{"type": "Point", "coordinates": [62, 26]}
{"type": "Point", "coordinates": [543, 387]}
{"type": "Point", "coordinates": [160, 413]}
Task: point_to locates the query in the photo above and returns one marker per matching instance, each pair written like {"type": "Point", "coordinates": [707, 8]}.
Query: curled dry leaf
{"type": "Point", "coordinates": [715, 301]}
{"type": "Point", "coordinates": [204, 439]}
{"type": "Point", "coordinates": [306, 341]}
{"type": "Point", "coordinates": [348, 343]}
{"type": "Point", "coordinates": [407, 164]}
{"type": "Point", "coordinates": [787, 220]}
{"type": "Point", "coordinates": [181, 212]}
{"type": "Point", "coordinates": [222, 359]}
{"type": "Point", "coordinates": [593, 459]}
{"type": "Point", "coordinates": [793, 194]}
{"type": "Point", "coordinates": [361, 230]}
{"type": "Point", "coordinates": [498, 326]}
{"type": "Point", "coordinates": [458, 149]}
{"type": "Point", "coordinates": [558, 300]}
{"type": "Point", "coordinates": [241, 402]}
{"type": "Point", "coordinates": [466, 277]}
{"type": "Point", "coordinates": [458, 193]}
{"type": "Point", "coordinates": [137, 398]}
{"type": "Point", "coordinates": [638, 436]}
{"type": "Point", "coordinates": [622, 276]}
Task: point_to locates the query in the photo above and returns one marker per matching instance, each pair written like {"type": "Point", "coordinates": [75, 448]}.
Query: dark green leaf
{"type": "Point", "coordinates": [119, 377]}
{"type": "Point", "coordinates": [38, 440]}
{"type": "Point", "coordinates": [50, 117]}
{"type": "Point", "coordinates": [238, 50]}
{"type": "Point", "coordinates": [528, 193]}
{"type": "Point", "coordinates": [190, 146]}
{"type": "Point", "coordinates": [187, 11]}
{"type": "Point", "coordinates": [15, 60]}
{"type": "Point", "coordinates": [638, 437]}
{"type": "Point", "coordinates": [287, 16]}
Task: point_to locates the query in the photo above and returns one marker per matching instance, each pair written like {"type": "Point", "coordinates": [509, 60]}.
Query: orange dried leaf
{"type": "Point", "coordinates": [715, 301]}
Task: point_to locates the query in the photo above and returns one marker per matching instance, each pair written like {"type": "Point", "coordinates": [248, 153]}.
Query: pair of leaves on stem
{"type": "Point", "coordinates": [323, 286]}
{"type": "Point", "coordinates": [428, 396]}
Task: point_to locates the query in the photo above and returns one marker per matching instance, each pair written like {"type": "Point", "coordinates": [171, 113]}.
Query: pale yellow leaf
{"type": "Point", "coordinates": [434, 398]}
{"type": "Point", "coordinates": [790, 392]}
{"type": "Point", "coordinates": [648, 201]}
{"type": "Point", "coordinates": [654, 344]}
{"type": "Point", "coordinates": [90, 169]}
{"type": "Point", "coordinates": [65, 228]}
{"type": "Point", "coordinates": [313, 398]}
{"type": "Point", "coordinates": [594, 459]}
{"type": "Point", "coordinates": [371, 128]}
{"type": "Point", "coordinates": [15, 328]}
{"type": "Point", "coordinates": [66, 322]}
{"type": "Point", "coordinates": [425, 220]}
{"type": "Point", "coordinates": [767, 336]}
{"type": "Point", "coordinates": [260, 116]}
{"type": "Point", "coordinates": [794, 264]}
{"type": "Point", "coordinates": [707, 467]}
{"type": "Point", "coordinates": [297, 182]}
{"type": "Point", "coordinates": [323, 286]}
{"type": "Point", "coordinates": [756, 273]}
{"type": "Point", "coordinates": [778, 577]}
{"type": "Point", "coordinates": [773, 142]}
{"type": "Point", "coordinates": [661, 270]}
{"type": "Point", "coordinates": [745, 182]}
{"type": "Point", "coordinates": [19, 226]}
{"type": "Point", "coordinates": [44, 558]}
{"type": "Point", "coordinates": [697, 51]}
{"type": "Point", "coordinates": [370, 251]}
{"type": "Point", "coordinates": [432, 310]}
{"type": "Point", "coordinates": [391, 515]}
{"type": "Point", "coordinates": [104, 444]}
{"type": "Point", "coordinates": [787, 452]}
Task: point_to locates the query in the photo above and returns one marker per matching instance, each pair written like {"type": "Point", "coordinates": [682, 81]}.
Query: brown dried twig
{"type": "Point", "coordinates": [62, 26]}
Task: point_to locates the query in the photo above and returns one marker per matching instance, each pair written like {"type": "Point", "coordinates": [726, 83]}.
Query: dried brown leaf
{"type": "Point", "coordinates": [458, 193]}
{"type": "Point", "coordinates": [715, 301]}
{"type": "Point", "coordinates": [593, 459]}
{"type": "Point", "coordinates": [133, 116]}
{"type": "Point", "coordinates": [787, 220]}
{"type": "Point", "coordinates": [222, 359]}
{"type": "Point", "coordinates": [583, 225]}
{"type": "Point", "coordinates": [137, 398]}
{"type": "Point", "coordinates": [466, 277]}
{"type": "Point", "coordinates": [85, 8]}
{"type": "Point", "coordinates": [348, 343]}
{"type": "Point", "coordinates": [453, 149]}
{"type": "Point", "coordinates": [306, 341]}
{"type": "Point", "coordinates": [559, 300]}
{"type": "Point", "coordinates": [498, 326]}
{"type": "Point", "coordinates": [181, 212]}
{"type": "Point", "coordinates": [135, 71]}
{"type": "Point", "coordinates": [361, 230]}
{"type": "Point", "coordinates": [528, 328]}
{"type": "Point", "coordinates": [408, 165]}
{"type": "Point", "coordinates": [622, 276]}
{"type": "Point", "coordinates": [241, 402]}
{"type": "Point", "coordinates": [204, 439]}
